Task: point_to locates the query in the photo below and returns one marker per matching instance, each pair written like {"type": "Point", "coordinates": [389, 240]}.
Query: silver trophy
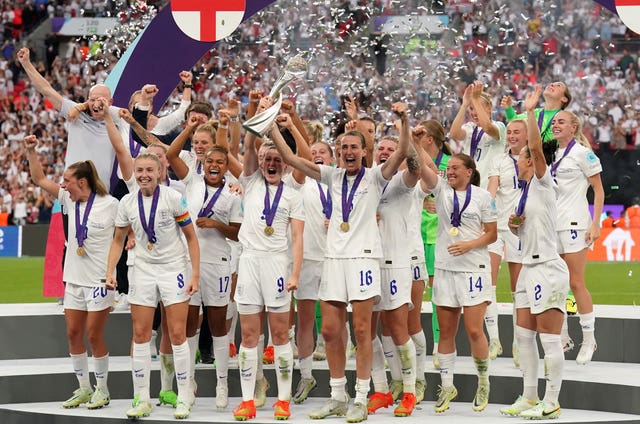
{"type": "Point", "coordinates": [295, 68]}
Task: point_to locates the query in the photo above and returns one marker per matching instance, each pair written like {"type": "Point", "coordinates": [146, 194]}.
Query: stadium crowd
{"type": "Point", "coordinates": [509, 47]}
{"type": "Point", "coordinates": [363, 246]}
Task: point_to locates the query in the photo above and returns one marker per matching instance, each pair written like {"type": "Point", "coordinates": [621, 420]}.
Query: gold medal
{"type": "Point", "coordinates": [150, 246]}
{"type": "Point", "coordinates": [344, 226]}
{"type": "Point", "coordinates": [453, 231]}
{"type": "Point", "coordinates": [80, 251]}
{"type": "Point", "coordinates": [516, 220]}
{"type": "Point", "coordinates": [268, 230]}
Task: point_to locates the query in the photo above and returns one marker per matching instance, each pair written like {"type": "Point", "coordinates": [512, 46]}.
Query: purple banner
{"type": "Point", "coordinates": [161, 53]}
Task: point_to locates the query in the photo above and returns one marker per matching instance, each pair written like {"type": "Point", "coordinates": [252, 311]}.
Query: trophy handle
{"type": "Point", "coordinates": [260, 123]}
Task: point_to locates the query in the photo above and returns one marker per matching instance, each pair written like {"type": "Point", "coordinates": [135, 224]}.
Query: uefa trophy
{"type": "Point", "coordinates": [295, 68]}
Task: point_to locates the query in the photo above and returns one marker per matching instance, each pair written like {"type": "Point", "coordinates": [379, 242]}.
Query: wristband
{"type": "Point", "coordinates": [234, 119]}
{"type": "Point", "coordinates": [223, 127]}
{"type": "Point", "coordinates": [188, 86]}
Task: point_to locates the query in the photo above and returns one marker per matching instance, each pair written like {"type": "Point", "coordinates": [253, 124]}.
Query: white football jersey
{"type": "Point", "coordinates": [572, 176]}
{"type": "Point", "coordinates": [226, 209]}
{"type": "Point", "coordinates": [170, 214]}
{"type": "Point", "coordinates": [481, 209]}
{"type": "Point", "coordinates": [90, 268]}
{"type": "Point", "coordinates": [363, 238]}
{"type": "Point", "coordinates": [488, 148]}
{"type": "Point", "coordinates": [508, 191]}
{"type": "Point", "coordinates": [538, 235]}
{"type": "Point", "coordinates": [252, 234]}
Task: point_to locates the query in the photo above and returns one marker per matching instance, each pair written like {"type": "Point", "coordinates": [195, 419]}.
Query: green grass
{"type": "Point", "coordinates": [21, 280]}
{"type": "Point", "coordinates": [612, 283]}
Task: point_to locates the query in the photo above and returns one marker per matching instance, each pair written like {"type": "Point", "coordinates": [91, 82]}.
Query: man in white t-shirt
{"type": "Point", "coordinates": [88, 139]}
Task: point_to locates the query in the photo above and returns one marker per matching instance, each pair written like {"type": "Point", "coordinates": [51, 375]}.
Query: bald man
{"type": "Point", "coordinates": [88, 137]}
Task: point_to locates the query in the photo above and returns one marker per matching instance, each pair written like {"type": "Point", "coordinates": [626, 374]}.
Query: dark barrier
{"type": "Point", "coordinates": [620, 176]}
{"type": "Point", "coordinates": [34, 239]}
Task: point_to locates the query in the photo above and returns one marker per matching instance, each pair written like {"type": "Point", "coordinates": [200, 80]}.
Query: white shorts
{"type": "Point", "coordinates": [571, 241]}
{"type": "Point", "coordinates": [507, 245]}
{"type": "Point", "coordinates": [310, 277]}
{"type": "Point", "coordinates": [215, 285]}
{"type": "Point", "coordinates": [262, 277]}
{"type": "Point", "coordinates": [456, 289]}
{"type": "Point", "coordinates": [90, 299]}
{"type": "Point", "coordinates": [346, 280]}
{"type": "Point", "coordinates": [395, 289]}
{"type": "Point", "coordinates": [419, 269]}
{"type": "Point", "coordinates": [244, 309]}
{"type": "Point", "coordinates": [153, 283]}
{"type": "Point", "coordinates": [543, 286]}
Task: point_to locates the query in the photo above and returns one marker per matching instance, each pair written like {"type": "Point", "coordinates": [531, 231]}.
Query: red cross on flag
{"type": "Point", "coordinates": [629, 12]}
{"type": "Point", "coordinates": [207, 20]}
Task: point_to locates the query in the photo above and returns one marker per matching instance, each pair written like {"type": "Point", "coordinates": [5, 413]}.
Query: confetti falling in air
{"type": "Point", "coordinates": [503, 43]}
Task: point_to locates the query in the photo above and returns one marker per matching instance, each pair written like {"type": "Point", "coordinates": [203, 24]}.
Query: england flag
{"type": "Point", "coordinates": [207, 20]}
{"type": "Point", "coordinates": [629, 12]}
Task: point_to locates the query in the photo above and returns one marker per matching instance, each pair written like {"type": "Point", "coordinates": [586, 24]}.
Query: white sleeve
{"type": "Point", "coordinates": [489, 210]}
{"type": "Point", "coordinates": [122, 220]}
{"type": "Point", "coordinates": [172, 120]}
{"type": "Point", "coordinates": [235, 212]}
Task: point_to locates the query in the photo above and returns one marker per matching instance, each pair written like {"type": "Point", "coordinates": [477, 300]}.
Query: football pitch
{"type": "Point", "coordinates": [610, 283]}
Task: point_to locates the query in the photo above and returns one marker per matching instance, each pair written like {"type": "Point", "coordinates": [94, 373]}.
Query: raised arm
{"type": "Point", "coordinates": [302, 146]}
{"type": "Point", "coordinates": [456, 132]}
{"type": "Point", "coordinates": [395, 160]}
{"type": "Point", "coordinates": [38, 81]}
{"type": "Point", "coordinates": [35, 168]}
{"type": "Point", "coordinates": [168, 122]}
{"type": "Point", "coordinates": [306, 166]}
{"type": "Point", "coordinates": [125, 162]}
{"type": "Point", "coordinates": [484, 119]}
{"type": "Point", "coordinates": [254, 101]}
{"type": "Point", "coordinates": [250, 150]}
{"type": "Point", "coordinates": [235, 166]}
{"type": "Point", "coordinates": [173, 153]}
{"type": "Point", "coordinates": [235, 127]}
{"type": "Point", "coordinates": [250, 161]}
{"type": "Point", "coordinates": [414, 163]}
{"type": "Point", "coordinates": [534, 139]}
{"type": "Point", "coordinates": [187, 78]}
{"type": "Point", "coordinates": [428, 169]}
{"type": "Point", "coordinates": [289, 108]}
{"type": "Point", "coordinates": [145, 137]}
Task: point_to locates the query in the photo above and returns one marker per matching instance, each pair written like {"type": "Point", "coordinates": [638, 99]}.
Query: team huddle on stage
{"type": "Point", "coordinates": [369, 225]}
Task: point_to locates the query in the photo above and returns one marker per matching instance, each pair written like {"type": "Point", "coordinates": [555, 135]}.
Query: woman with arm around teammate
{"type": "Point", "coordinates": [504, 187]}
{"type": "Point", "coordinates": [576, 168]}
{"type": "Point", "coordinates": [466, 226]}
{"type": "Point", "coordinates": [218, 217]}
{"type": "Point", "coordinates": [87, 302]}
{"type": "Point", "coordinates": [430, 135]}
{"type": "Point", "coordinates": [266, 271]}
{"type": "Point", "coordinates": [351, 273]}
{"type": "Point", "coordinates": [157, 214]}
{"type": "Point", "coordinates": [543, 280]}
